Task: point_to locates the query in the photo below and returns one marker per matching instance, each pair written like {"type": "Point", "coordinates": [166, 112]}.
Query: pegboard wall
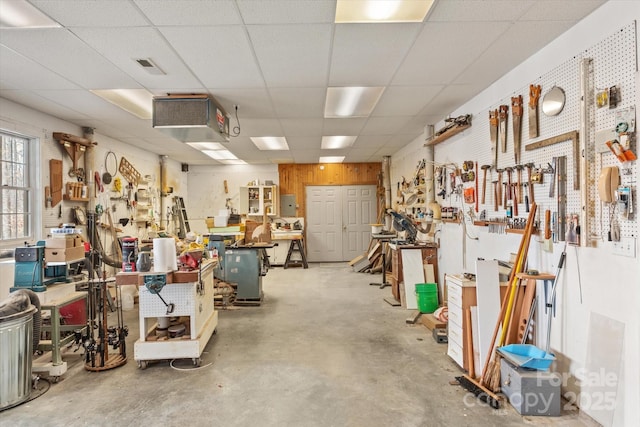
{"type": "Point", "coordinates": [613, 63]}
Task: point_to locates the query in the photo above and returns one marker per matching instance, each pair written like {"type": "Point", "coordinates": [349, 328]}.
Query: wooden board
{"type": "Point", "coordinates": [488, 303]}
{"type": "Point", "coordinates": [413, 272]}
{"type": "Point", "coordinates": [55, 181]}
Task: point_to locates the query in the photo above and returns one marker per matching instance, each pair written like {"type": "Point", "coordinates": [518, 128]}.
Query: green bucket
{"type": "Point", "coordinates": [427, 297]}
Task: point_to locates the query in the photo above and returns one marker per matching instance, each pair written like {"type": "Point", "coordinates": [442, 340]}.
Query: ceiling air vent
{"type": "Point", "coordinates": [192, 118]}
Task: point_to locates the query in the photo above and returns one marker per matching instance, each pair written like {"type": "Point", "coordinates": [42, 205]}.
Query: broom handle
{"type": "Point", "coordinates": [522, 258]}
{"type": "Point", "coordinates": [503, 306]}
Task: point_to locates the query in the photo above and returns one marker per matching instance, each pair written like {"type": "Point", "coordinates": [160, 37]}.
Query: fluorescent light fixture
{"type": "Point", "coordinates": [335, 142]}
{"type": "Point", "coordinates": [359, 11]}
{"type": "Point", "coordinates": [353, 101]}
{"type": "Point", "coordinates": [270, 142]}
{"type": "Point", "coordinates": [22, 14]}
{"type": "Point", "coordinates": [135, 101]}
{"type": "Point", "coordinates": [207, 146]}
{"type": "Point", "coordinates": [331, 159]}
{"type": "Point", "coordinates": [233, 162]}
{"type": "Point", "coordinates": [220, 154]}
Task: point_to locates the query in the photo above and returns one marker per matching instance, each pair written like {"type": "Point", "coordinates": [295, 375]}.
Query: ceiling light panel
{"type": "Point", "coordinates": [355, 101]}
{"type": "Point", "coordinates": [331, 159]}
{"type": "Point", "coordinates": [337, 142]}
{"type": "Point", "coordinates": [21, 14]}
{"type": "Point", "coordinates": [220, 154]}
{"type": "Point", "coordinates": [270, 142]}
{"type": "Point", "coordinates": [359, 11]}
{"type": "Point", "coordinates": [136, 101]}
{"type": "Point", "coordinates": [207, 146]}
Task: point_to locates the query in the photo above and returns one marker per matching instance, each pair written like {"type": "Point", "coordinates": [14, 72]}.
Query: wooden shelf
{"type": "Point", "coordinates": [75, 199]}
{"type": "Point", "coordinates": [447, 134]}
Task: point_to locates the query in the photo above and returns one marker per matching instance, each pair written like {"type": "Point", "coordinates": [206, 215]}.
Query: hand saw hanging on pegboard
{"type": "Point", "coordinates": [516, 114]}
{"type": "Point", "coordinates": [493, 132]}
{"type": "Point", "coordinates": [534, 96]}
{"type": "Point", "coordinates": [503, 114]}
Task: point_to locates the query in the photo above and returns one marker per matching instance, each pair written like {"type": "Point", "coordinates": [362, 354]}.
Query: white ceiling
{"type": "Point", "coordinates": [275, 60]}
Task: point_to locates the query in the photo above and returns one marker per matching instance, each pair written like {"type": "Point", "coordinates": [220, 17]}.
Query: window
{"type": "Point", "coordinates": [16, 216]}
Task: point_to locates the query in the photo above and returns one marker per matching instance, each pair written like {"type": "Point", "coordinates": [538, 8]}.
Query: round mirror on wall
{"type": "Point", "coordinates": [553, 101]}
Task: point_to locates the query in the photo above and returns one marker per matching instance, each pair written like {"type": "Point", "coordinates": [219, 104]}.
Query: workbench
{"type": "Point", "coordinates": [52, 300]}
{"type": "Point", "coordinates": [193, 302]}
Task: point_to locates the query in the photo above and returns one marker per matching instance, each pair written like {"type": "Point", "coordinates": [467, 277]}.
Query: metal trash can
{"type": "Point", "coordinates": [16, 351]}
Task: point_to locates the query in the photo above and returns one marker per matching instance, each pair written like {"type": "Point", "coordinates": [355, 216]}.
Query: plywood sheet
{"type": "Point", "coordinates": [413, 272]}
{"type": "Point", "coordinates": [488, 303]}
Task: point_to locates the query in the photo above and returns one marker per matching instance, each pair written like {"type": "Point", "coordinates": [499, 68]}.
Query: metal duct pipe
{"type": "Point", "coordinates": [386, 182]}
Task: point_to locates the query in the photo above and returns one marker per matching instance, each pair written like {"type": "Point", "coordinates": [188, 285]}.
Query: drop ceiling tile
{"type": "Point", "coordinates": [331, 127]}
{"type": "Point", "coordinates": [444, 43]}
{"type": "Point", "coordinates": [287, 11]}
{"type": "Point", "coordinates": [88, 103]}
{"type": "Point", "coordinates": [404, 100]}
{"type": "Point", "coordinates": [261, 127]}
{"type": "Point", "coordinates": [371, 141]}
{"type": "Point", "coordinates": [369, 54]}
{"type": "Point", "coordinates": [449, 100]}
{"type": "Point", "coordinates": [479, 10]}
{"type": "Point", "coordinates": [122, 46]}
{"type": "Point", "coordinates": [522, 40]}
{"type": "Point", "coordinates": [63, 53]}
{"type": "Point", "coordinates": [384, 125]}
{"type": "Point", "coordinates": [299, 102]}
{"type": "Point", "coordinates": [23, 73]}
{"type": "Point", "coordinates": [304, 142]}
{"type": "Point", "coordinates": [301, 127]}
{"type": "Point", "coordinates": [252, 103]}
{"type": "Point", "coordinates": [189, 12]}
{"type": "Point", "coordinates": [227, 63]}
{"type": "Point", "coordinates": [55, 109]}
{"type": "Point", "coordinates": [561, 10]}
{"type": "Point", "coordinates": [307, 156]}
{"type": "Point", "coordinates": [292, 55]}
{"type": "Point", "coordinates": [94, 13]}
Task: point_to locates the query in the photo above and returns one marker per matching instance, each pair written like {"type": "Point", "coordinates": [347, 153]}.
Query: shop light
{"type": "Point", "coordinates": [135, 101]}
{"type": "Point", "coordinates": [233, 162]}
{"type": "Point", "coordinates": [270, 142]}
{"type": "Point", "coordinates": [360, 11]}
{"type": "Point", "coordinates": [356, 101]}
{"type": "Point", "coordinates": [336, 142]}
{"type": "Point", "coordinates": [331, 159]}
{"type": "Point", "coordinates": [206, 146]}
{"type": "Point", "coordinates": [22, 14]}
{"type": "Point", "coordinates": [220, 154]}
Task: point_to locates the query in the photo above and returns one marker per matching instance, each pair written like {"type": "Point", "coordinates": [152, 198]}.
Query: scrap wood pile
{"type": "Point", "coordinates": [371, 261]}
{"type": "Point", "coordinates": [516, 306]}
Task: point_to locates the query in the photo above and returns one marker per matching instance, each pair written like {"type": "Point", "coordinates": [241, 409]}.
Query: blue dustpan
{"type": "Point", "coordinates": [527, 356]}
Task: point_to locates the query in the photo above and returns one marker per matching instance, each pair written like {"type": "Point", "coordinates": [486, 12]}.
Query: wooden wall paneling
{"type": "Point", "coordinates": [293, 178]}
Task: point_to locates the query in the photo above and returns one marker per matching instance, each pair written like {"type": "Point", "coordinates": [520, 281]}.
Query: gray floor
{"type": "Point", "coordinates": [324, 349]}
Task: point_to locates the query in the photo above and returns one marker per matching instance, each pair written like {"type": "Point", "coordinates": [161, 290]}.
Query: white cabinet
{"type": "Point", "coordinates": [461, 295]}
{"type": "Point", "coordinates": [254, 200]}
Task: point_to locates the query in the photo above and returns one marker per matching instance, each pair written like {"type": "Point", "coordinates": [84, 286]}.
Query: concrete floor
{"type": "Point", "coordinates": [323, 349]}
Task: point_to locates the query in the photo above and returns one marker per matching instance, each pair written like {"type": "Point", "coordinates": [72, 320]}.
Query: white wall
{"type": "Point", "coordinates": [22, 120]}
{"type": "Point", "coordinates": [207, 196]}
{"type": "Point", "coordinates": [609, 283]}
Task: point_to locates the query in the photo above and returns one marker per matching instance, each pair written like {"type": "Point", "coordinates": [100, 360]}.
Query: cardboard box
{"type": "Point", "coordinates": [65, 241]}
{"type": "Point", "coordinates": [64, 254]}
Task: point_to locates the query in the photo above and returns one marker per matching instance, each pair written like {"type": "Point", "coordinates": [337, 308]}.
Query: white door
{"type": "Point", "coordinates": [338, 221]}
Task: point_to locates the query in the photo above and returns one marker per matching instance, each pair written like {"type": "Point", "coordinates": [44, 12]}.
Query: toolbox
{"type": "Point", "coordinates": [531, 392]}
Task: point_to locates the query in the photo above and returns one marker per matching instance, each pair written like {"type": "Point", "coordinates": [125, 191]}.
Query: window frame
{"type": "Point", "coordinates": [32, 211]}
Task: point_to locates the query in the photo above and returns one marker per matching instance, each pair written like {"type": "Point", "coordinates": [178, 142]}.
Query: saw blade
{"type": "Point", "coordinates": [516, 114]}
{"type": "Point", "coordinates": [534, 96]}
{"type": "Point", "coordinates": [493, 132]}
{"type": "Point", "coordinates": [502, 117]}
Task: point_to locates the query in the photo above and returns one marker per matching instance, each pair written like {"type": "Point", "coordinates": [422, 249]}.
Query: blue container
{"type": "Point", "coordinates": [527, 356]}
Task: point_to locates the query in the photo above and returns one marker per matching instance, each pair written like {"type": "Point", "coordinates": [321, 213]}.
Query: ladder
{"type": "Point", "coordinates": [183, 220]}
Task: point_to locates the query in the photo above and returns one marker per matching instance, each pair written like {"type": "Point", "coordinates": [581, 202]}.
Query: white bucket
{"type": "Point", "coordinates": [376, 228]}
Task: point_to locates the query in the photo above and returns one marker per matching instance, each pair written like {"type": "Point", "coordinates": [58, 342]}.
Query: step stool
{"type": "Point", "coordinates": [296, 246]}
